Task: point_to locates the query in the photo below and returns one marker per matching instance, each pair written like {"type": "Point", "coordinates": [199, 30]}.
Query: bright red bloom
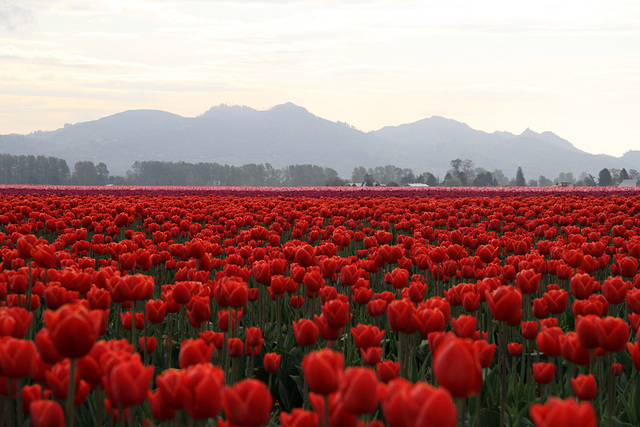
{"type": "Point", "coordinates": [46, 413]}
{"type": "Point", "coordinates": [388, 370]}
{"type": "Point", "coordinates": [430, 320]}
{"type": "Point", "coordinates": [549, 340]}
{"type": "Point", "coordinates": [464, 326]}
{"type": "Point", "coordinates": [530, 330]}
{"type": "Point", "coordinates": [16, 357]}
{"type": "Point", "coordinates": [247, 403]}
{"type": "Point", "coordinates": [371, 356]}
{"type": "Point", "coordinates": [612, 333]}
{"type": "Point", "coordinates": [230, 292]}
{"type": "Point", "coordinates": [271, 362]}
{"type": "Point", "coordinates": [528, 281]}
{"type": "Point", "coordinates": [556, 300]}
{"type": "Point", "coordinates": [366, 336]}
{"type": "Point", "coordinates": [543, 372]}
{"type": "Point", "coordinates": [615, 289]}
{"type": "Point", "coordinates": [201, 387]}
{"type": "Point", "coordinates": [73, 328]}
{"type": "Point", "coordinates": [514, 348]}
{"type": "Point", "coordinates": [305, 332]}
{"type": "Point", "coordinates": [560, 413]}
{"type": "Point", "coordinates": [336, 312]}
{"type": "Point", "coordinates": [582, 286]}
{"type": "Point", "coordinates": [505, 304]}
{"type": "Point", "coordinates": [584, 386]}
{"type": "Point", "coordinates": [323, 371]}
{"type": "Point", "coordinates": [155, 310]}
{"type": "Point", "coordinates": [402, 317]}
{"type": "Point", "coordinates": [193, 352]}
{"type": "Point", "coordinates": [299, 418]}
{"type": "Point", "coordinates": [463, 378]}
{"type": "Point", "coordinates": [484, 352]}
{"type": "Point", "coordinates": [356, 388]}
{"type": "Point", "coordinates": [127, 383]}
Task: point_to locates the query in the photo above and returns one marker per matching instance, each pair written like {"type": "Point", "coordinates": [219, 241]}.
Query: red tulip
{"type": "Point", "coordinates": [193, 352]}
{"type": "Point", "coordinates": [560, 413]}
{"type": "Point", "coordinates": [505, 304]}
{"type": "Point", "coordinates": [46, 413]}
{"type": "Point", "coordinates": [612, 333]}
{"type": "Point", "coordinates": [584, 386]}
{"type": "Point", "coordinates": [356, 390]}
{"type": "Point", "coordinates": [323, 371]}
{"type": "Point", "coordinates": [299, 418]}
{"type": "Point", "coordinates": [543, 372]}
{"type": "Point", "coordinates": [615, 289]}
{"type": "Point", "coordinates": [402, 317]}
{"type": "Point", "coordinates": [73, 328]}
{"type": "Point", "coordinates": [528, 281]}
{"type": "Point", "coordinates": [271, 362]}
{"type": "Point", "coordinates": [514, 348]}
{"type": "Point", "coordinates": [305, 332]}
{"type": "Point", "coordinates": [247, 403]}
{"type": "Point", "coordinates": [201, 387]}
{"type": "Point", "coordinates": [388, 370]}
{"type": "Point", "coordinates": [366, 336]}
{"type": "Point", "coordinates": [127, 383]}
{"type": "Point", "coordinates": [464, 326]}
{"type": "Point", "coordinates": [336, 313]}
{"type": "Point", "coordinates": [464, 378]}
{"type": "Point", "coordinates": [16, 357]}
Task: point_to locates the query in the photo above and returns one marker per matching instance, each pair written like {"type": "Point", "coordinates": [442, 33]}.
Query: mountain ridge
{"type": "Point", "coordinates": [289, 134]}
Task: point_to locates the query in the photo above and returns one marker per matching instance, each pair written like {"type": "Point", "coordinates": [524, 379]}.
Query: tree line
{"type": "Point", "coordinates": [29, 169]}
{"type": "Point", "coordinates": [465, 173]}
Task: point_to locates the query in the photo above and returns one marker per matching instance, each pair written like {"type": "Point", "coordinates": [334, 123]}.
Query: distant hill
{"type": "Point", "coordinates": [289, 134]}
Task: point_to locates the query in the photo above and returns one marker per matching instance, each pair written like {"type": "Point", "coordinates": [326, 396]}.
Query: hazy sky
{"type": "Point", "coordinates": [570, 67]}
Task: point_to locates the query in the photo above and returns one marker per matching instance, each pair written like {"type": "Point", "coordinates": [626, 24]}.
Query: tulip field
{"type": "Point", "coordinates": [316, 306]}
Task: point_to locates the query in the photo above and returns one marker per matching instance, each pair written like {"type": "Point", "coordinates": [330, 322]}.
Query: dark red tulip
{"type": "Point", "coordinates": [559, 413]}
{"type": "Point", "coordinates": [543, 372]}
{"type": "Point", "coordinates": [193, 352]}
{"type": "Point", "coordinates": [514, 348]}
{"type": "Point", "coordinates": [612, 333]}
{"type": "Point", "coordinates": [582, 286]}
{"type": "Point", "coordinates": [271, 362]}
{"type": "Point", "coordinates": [464, 378]}
{"type": "Point", "coordinates": [73, 329]}
{"type": "Point", "coordinates": [584, 386]}
{"type": "Point", "coordinates": [323, 371]}
{"type": "Point", "coordinates": [505, 304]}
{"type": "Point", "coordinates": [356, 388]}
{"type": "Point", "coordinates": [336, 312]}
{"type": "Point", "coordinates": [556, 300]}
{"type": "Point", "coordinates": [127, 383]}
{"type": "Point", "coordinates": [247, 403]}
{"type": "Point", "coordinates": [46, 413]}
{"type": "Point", "coordinates": [549, 340]}
{"type": "Point", "coordinates": [366, 336]}
{"type": "Point", "coordinates": [615, 289]}
{"type": "Point", "coordinates": [299, 418]}
{"type": "Point", "coordinates": [402, 317]}
{"type": "Point", "coordinates": [202, 388]}
{"type": "Point", "coordinates": [464, 326]}
{"type": "Point", "coordinates": [586, 330]}
{"type": "Point", "coordinates": [305, 332]}
{"type": "Point", "coordinates": [388, 370]}
{"type": "Point", "coordinates": [16, 357]}
{"type": "Point", "coordinates": [528, 281]}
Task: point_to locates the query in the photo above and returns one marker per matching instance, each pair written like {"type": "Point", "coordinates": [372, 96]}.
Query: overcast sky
{"type": "Point", "coordinates": [570, 67]}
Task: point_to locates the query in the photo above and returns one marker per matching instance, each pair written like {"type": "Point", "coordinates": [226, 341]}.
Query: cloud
{"type": "Point", "coordinates": [13, 16]}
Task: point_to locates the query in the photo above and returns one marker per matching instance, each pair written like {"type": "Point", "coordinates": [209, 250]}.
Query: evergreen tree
{"type": "Point", "coordinates": [520, 181]}
{"type": "Point", "coordinates": [604, 178]}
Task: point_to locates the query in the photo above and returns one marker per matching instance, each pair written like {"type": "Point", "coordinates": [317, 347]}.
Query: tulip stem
{"type": "Point", "coordinates": [9, 403]}
{"type": "Point", "coordinates": [503, 372]}
{"type": "Point", "coordinates": [460, 406]}
{"type": "Point", "coordinates": [610, 390]}
{"type": "Point", "coordinates": [326, 411]}
{"type": "Point", "coordinates": [71, 416]}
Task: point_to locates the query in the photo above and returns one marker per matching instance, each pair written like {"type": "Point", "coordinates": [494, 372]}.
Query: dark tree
{"type": "Point", "coordinates": [604, 178]}
{"type": "Point", "coordinates": [520, 181]}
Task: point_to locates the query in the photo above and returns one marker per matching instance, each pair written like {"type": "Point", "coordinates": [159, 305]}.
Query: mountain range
{"type": "Point", "coordinates": [288, 134]}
